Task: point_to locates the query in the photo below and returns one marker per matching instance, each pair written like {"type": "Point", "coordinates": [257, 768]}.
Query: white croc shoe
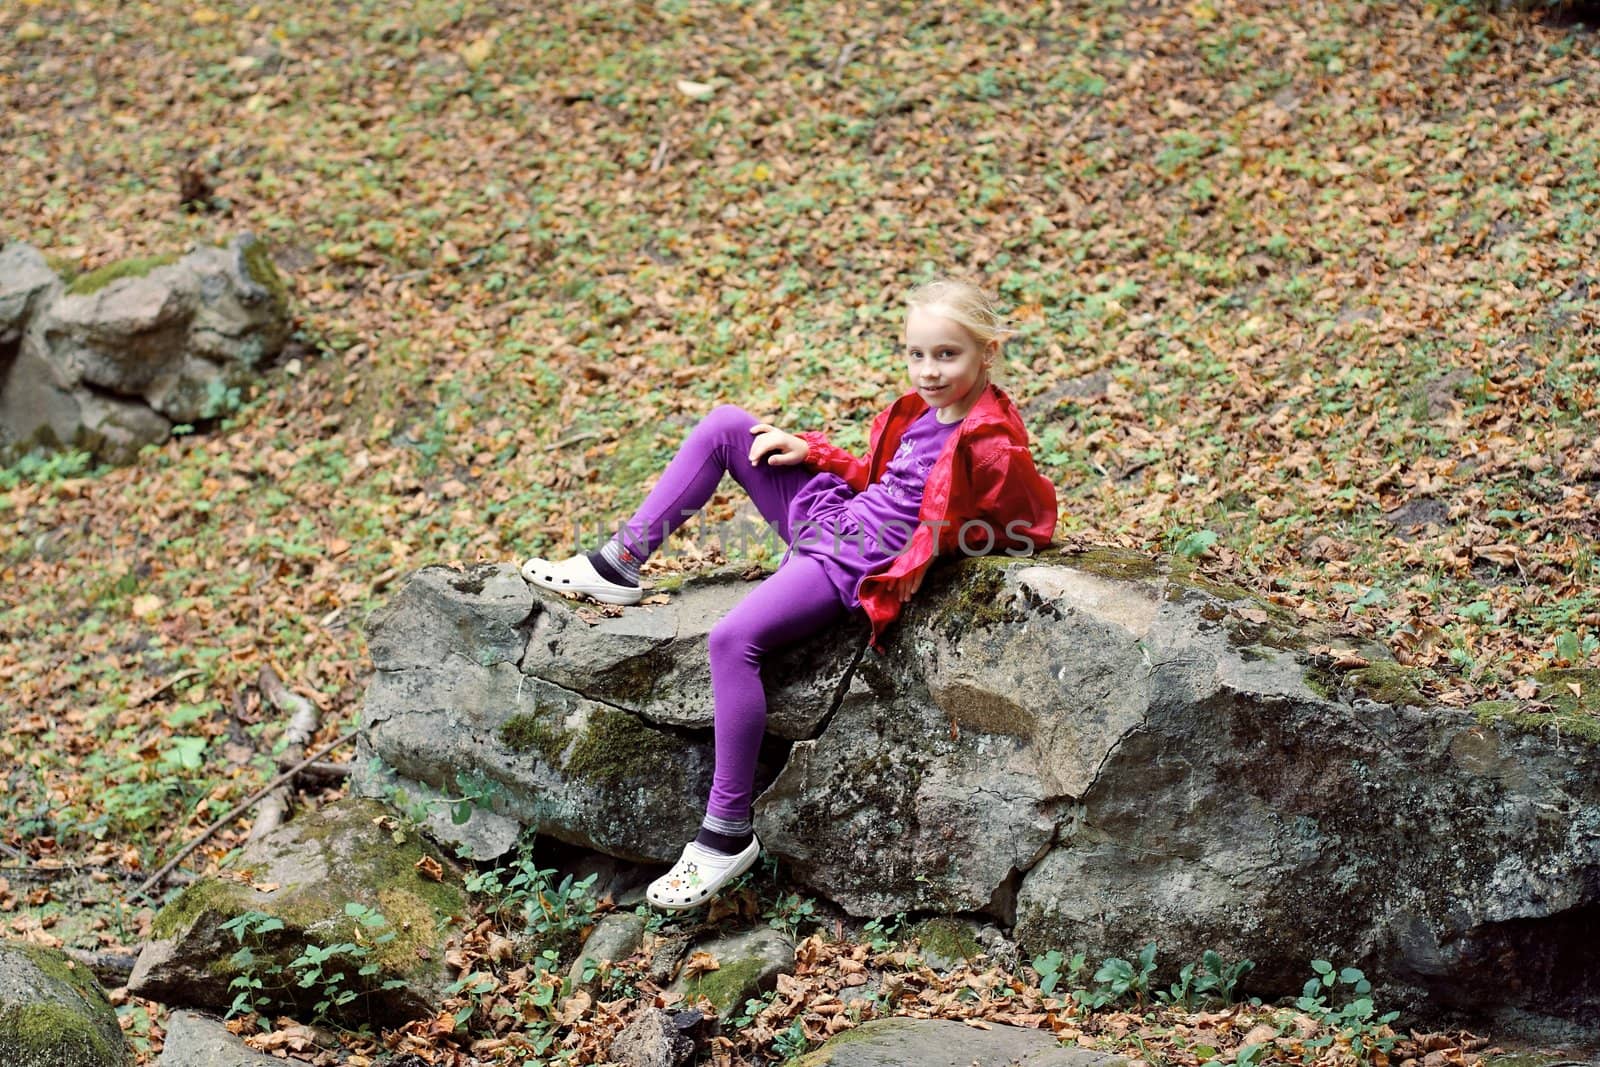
{"type": "Point", "coordinates": [699, 875]}
{"type": "Point", "coordinates": [577, 575]}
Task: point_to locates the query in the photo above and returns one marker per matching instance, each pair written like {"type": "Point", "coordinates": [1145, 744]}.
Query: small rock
{"type": "Point", "coordinates": [616, 937]}
{"type": "Point", "coordinates": [946, 1043]}
{"type": "Point", "coordinates": [749, 964]}
{"type": "Point", "coordinates": [307, 875]}
{"type": "Point", "coordinates": [195, 1040]}
{"type": "Point", "coordinates": [53, 1013]}
{"type": "Point", "coordinates": [665, 956]}
{"type": "Point", "coordinates": [651, 1040]}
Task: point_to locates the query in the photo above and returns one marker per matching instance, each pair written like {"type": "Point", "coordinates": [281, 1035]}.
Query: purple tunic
{"type": "Point", "coordinates": [856, 534]}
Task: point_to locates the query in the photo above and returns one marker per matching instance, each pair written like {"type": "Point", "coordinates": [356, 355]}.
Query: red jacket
{"type": "Point", "coordinates": [984, 475]}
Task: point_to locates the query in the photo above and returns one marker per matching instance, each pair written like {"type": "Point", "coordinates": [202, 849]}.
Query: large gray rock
{"type": "Point", "coordinates": [113, 361]}
{"type": "Point", "coordinates": [1091, 748]}
{"type": "Point", "coordinates": [53, 1013]}
{"type": "Point", "coordinates": [947, 1043]}
{"type": "Point", "coordinates": [198, 1041]}
{"type": "Point", "coordinates": [26, 280]}
{"type": "Point", "coordinates": [309, 876]}
{"type": "Point", "coordinates": [467, 684]}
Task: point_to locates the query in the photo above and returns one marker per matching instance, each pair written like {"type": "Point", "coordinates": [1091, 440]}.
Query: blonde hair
{"type": "Point", "coordinates": [965, 303]}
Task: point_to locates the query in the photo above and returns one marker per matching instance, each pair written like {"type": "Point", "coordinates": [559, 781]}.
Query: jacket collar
{"type": "Point", "coordinates": [992, 406]}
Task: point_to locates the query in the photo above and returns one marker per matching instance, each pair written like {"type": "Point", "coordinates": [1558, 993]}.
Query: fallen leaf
{"type": "Point", "coordinates": [700, 963]}
{"type": "Point", "coordinates": [430, 869]}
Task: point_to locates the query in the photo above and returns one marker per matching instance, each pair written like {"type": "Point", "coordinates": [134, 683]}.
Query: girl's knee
{"type": "Point", "coordinates": [730, 642]}
{"type": "Point", "coordinates": [726, 419]}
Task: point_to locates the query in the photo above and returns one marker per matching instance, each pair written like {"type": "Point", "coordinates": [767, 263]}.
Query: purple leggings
{"type": "Point", "coordinates": [791, 605]}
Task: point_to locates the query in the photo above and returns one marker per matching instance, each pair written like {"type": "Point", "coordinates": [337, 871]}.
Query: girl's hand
{"type": "Point", "coordinates": [780, 449]}
{"type": "Point", "coordinates": [906, 586]}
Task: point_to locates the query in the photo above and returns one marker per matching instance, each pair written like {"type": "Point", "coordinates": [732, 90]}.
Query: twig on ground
{"type": "Point", "coordinates": [303, 721]}
{"type": "Point", "coordinates": [321, 772]}
{"type": "Point", "coordinates": [238, 810]}
{"type": "Point", "coordinates": [182, 675]}
{"type": "Point", "coordinates": [574, 439]}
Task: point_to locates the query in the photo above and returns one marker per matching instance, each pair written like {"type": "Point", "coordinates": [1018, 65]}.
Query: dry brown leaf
{"type": "Point", "coordinates": [700, 963]}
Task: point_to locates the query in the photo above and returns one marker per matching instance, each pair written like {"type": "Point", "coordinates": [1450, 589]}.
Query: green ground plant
{"type": "Point", "coordinates": [1355, 1020]}
{"type": "Point", "coordinates": [529, 899]}
{"type": "Point", "coordinates": [334, 975]}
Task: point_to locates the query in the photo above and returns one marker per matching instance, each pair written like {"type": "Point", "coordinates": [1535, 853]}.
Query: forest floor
{"type": "Point", "coordinates": [1306, 294]}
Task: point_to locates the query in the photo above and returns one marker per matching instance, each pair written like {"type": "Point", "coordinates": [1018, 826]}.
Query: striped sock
{"type": "Point", "coordinates": [727, 836]}
{"type": "Point", "coordinates": [616, 563]}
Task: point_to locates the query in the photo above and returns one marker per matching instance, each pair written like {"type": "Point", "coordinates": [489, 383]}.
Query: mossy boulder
{"type": "Point", "coordinates": [53, 1013]}
{"type": "Point", "coordinates": [749, 963]}
{"type": "Point", "coordinates": [113, 359]}
{"type": "Point", "coordinates": [1095, 749]}
{"type": "Point", "coordinates": [319, 881]}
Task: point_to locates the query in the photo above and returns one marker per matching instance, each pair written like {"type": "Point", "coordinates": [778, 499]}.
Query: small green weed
{"type": "Point", "coordinates": [1048, 967]}
{"type": "Point", "coordinates": [527, 898]}
{"type": "Point", "coordinates": [791, 913]}
{"type": "Point", "coordinates": [1209, 979]}
{"type": "Point", "coordinates": [883, 933]}
{"type": "Point", "coordinates": [335, 974]}
{"type": "Point", "coordinates": [1357, 1019]}
{"type": "Point", "coordinates": [1116, 978]}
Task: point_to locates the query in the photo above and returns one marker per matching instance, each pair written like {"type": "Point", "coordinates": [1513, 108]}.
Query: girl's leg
{"type": "Point", "coordinates": [719, 444]}
{"type": "Point", "coordinates": [796, 602]}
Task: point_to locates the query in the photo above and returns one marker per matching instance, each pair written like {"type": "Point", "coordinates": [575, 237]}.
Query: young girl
{"type": "Point", "coordinates": [948, 470]}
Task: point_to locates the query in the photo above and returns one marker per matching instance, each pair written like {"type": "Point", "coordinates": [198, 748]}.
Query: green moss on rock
{"type": "Point", "coordinates": [615, 747]}
{"type": "Point", "coordinates": [194, 901]}
{"type": "Point", "coordinates": [531, 733]}
{"type": "Point", "coordinates": [354, 852]}
{"type": "Point", "coordinates": [259, 266]}
{"type": "Point", "coordinates": [1566, 715]}
{"type": "Point", "coordinates": [1388, 683]}
{"type": "Point", "coordinates": [1119, 564]}
{"type": "Point", "coordinates": [137, 267]}
{"type": "Point", "coordinates": [728, 986]}
{"type": "Point", "coordinates": [45, 1033]}
{"type": "Point", "coordinates": [62, 1017]}
{"type": "Point", "coordinates": [975, 596]}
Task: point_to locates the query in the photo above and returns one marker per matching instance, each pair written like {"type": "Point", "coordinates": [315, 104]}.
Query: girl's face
{"type": "Point", "coordinates": [946, 365]}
